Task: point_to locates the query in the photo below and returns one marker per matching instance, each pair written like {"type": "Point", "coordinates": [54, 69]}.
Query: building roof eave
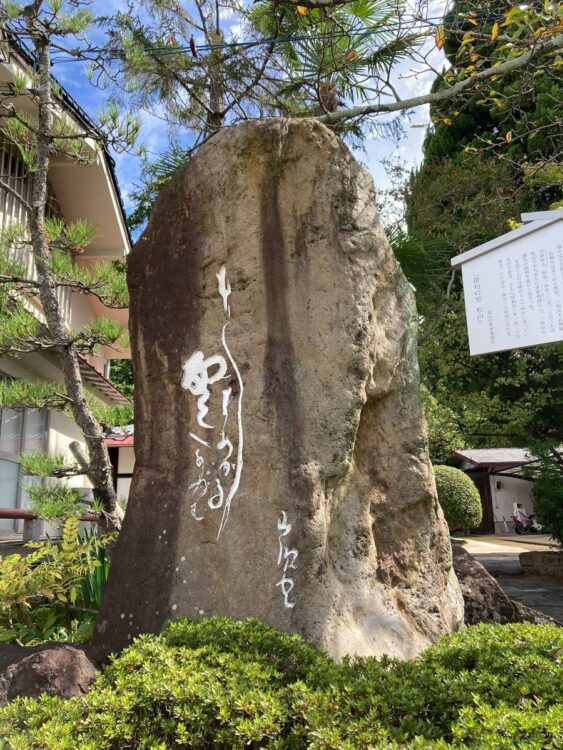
{"type": "Point", "coordinates": [82, 117]}
{"type": "Point", "coordinates": [96, 381]}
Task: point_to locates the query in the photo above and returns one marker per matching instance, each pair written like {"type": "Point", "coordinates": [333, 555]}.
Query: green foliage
{"type": "Point", "coordinates": [70, 236]}
{"type": "Point", "coordinates": [517, 116]}
{"type": "Point", "coordinates": [20, 331]}
{"type": "Point", "coordinates": [548, 487]}
{"type": "Point", "coordinates": [38, 255]}
{"type": "Point", "coordinates": [16, 394]}
{"type": "Point", "coordinates": [503, 399]}
{"type": "Point", "coordinates": [155, 176]}
{"type": "Point", "coordinates": [121, 375]}
{"type": "Point", "coordinates": [459, 498]}
{"type": "Point", "coordinates": [426, 264]}
{"type": "Point", "coordinates": [93, 583]}
{"type": "Point", "coordinates": [98, 333]}
{"type": "Point", "coordinates": [54, 502]}
{"type": "Point", "coordinates": [461, 202]}
{"type": "Point", "coordinates": [52, 592]}
{"type": "Point", "coordinates": [112, 416]}
{"type": "Point", "coordinates": [486, 161]}
{"type": "Point", "coordinates": [39, 464]}
{"type": "Point", "coordinates": [228, 685]}
{"type": "Point", "coordinates": [444, 432]}
{"type": "Point", "coordinates": [327, 54]}
{"type": "Point", "coordinates": [105, 280]}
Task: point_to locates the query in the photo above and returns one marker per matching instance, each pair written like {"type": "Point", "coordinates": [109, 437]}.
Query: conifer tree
{"type": "Point", "coordinates": [31, 319]}
{"type": "Point", "coordinates": [341, 61]}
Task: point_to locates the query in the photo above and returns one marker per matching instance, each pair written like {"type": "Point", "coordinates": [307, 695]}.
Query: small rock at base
{"type": "Point", "coordinates": [63, 671]}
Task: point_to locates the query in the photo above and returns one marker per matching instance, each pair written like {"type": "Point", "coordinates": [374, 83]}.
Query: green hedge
{"type": "Point", "coordinates": [222, 684]}
{"type": "Point", "coordinates": [459, 498]}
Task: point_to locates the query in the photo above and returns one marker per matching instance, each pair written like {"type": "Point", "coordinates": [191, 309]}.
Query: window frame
{"type": "Point", "coordinates": [14, 457]}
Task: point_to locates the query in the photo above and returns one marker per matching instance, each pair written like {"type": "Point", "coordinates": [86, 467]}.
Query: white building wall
{"type": "Point", "coordinates": [126, 460]}
{"type": "Point", "coordinates": [125, 465]}
{"type": "Point", "coordinates": [512, 490]}
{"type": "Point", "coordinates": [62, 432]}
{"type": "Point", "coordinates": [123, 487]}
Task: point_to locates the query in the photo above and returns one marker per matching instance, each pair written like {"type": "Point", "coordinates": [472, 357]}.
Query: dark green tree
{"type": "Point", "coordinates": [121, 375]}
{"type": "Point", "coordinates": [547, 473]}
{"type": "Point", "coordinates": [486, 160]}
{"type": "Point", "coordinates": [502, 399]}
{"type": "Point", "coordinates": [459, 498]}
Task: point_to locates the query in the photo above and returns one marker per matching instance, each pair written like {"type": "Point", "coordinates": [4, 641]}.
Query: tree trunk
{"type": "Point", "coordinates": [99, 468]}
{"type": "Point", "coordinates": [215, 118]}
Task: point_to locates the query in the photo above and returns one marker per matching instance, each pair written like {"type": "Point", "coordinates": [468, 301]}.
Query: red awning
{"type": "Point", "coordinates": [119, 442]}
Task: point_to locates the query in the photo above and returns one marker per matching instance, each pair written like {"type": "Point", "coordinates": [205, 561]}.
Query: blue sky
{"type": "Point", "coordinates": [155, 138]}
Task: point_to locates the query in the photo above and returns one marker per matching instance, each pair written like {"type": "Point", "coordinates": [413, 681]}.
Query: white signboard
{"type": "Point", "coordinates": [513, 288]}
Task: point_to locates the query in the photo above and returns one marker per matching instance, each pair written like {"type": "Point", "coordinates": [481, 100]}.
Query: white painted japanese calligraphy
{"type": "Point", "coordinates": [200, 373]}
{"type": "Point", "coordinates": [224, 289]}
{"type": "Point", "coordinates": [289, 559]}
{"type": "Point", "coordinates": [197, 380]}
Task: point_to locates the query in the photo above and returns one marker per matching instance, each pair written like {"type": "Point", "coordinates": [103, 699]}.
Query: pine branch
{"type": "Point", "coordinates": [20, 331]}
{"type": "Point", "coordinates": [19, 280]}
{"type": "Point", "coordinates": [53, 502]}
{"type": "Point", "coordinates": [14, 193]}
{"type": "Point", "coordinates": [312, 4]}
{"type": "Point", "coordinates": [20, 394]}
{"type": "Point", "coordinates": [510, 66]}
{"type": "Point", "coordinates": [40, 464]}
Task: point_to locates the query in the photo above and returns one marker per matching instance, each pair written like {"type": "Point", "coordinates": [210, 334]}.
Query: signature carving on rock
{"type": "Point", "coordinates": [288, 558]}
{"type": "Point", "coordinates": [215, 455]}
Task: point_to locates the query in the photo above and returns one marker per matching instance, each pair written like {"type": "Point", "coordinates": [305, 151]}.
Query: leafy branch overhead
{"type": "Point", "coordinates": [351, 64]}
{"type": "Point", "coordinates": [18, 394]}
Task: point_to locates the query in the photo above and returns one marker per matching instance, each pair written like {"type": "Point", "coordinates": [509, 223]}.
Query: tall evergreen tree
{"type": "Point", "coordinates": [31, 318]}
{"type": "Point", "coordinates": [332, 59]}
{"type": "Point", "coordinates": [485, 162]}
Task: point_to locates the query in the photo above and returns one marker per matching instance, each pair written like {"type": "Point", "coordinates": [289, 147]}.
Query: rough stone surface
{"type": "Point", "coordinates": [542, 563]}
{"type": "Point", "coordinates": [281, 456]}
{"type": "Point", "coordinates": [64, 671]}
{"type": "Point", "coordinates": [484, 599]}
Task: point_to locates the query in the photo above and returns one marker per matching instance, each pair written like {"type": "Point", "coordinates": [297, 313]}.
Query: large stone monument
{"type": "Point", "coordinates": [281, 469]}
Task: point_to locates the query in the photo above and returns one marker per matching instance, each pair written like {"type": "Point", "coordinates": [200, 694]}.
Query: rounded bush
{"type": "Point", "coordinates": [459, 498]}
{"type": "Point", "coordinates": [226, 685]}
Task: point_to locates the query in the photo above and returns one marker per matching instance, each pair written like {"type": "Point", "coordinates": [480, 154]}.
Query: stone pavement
{"type": "Point", "coordinates": [500, 556]}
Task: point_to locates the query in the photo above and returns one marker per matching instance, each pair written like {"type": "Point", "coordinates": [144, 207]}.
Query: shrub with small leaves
{"type": "Point", "coordinates": [459, 498]}
{"type": "Point", "coordinates": [232, 685]}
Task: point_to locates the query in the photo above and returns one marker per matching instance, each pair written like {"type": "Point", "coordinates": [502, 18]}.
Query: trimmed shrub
{"type": "Point", "coordinates": [459, 498]}
{"type": "Point", "coordinates": [222, 684]}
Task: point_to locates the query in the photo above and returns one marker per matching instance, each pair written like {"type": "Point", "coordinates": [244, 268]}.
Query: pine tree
{"type": "Point", "coordinates": [31, 319]}
{"type": "Point", "coordinates": [335, 60]}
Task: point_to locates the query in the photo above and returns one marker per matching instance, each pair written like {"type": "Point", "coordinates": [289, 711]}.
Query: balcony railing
{"type": "Point", "coordinates": [32, 523]}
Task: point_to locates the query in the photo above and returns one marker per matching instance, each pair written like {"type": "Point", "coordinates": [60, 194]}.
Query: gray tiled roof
{"type": "Point", "coordinates": [496, 456]}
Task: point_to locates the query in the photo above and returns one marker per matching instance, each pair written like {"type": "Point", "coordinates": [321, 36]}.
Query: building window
{"type": "Point", "coordinates": [15, 174]}
{"type": "Point", "coordinates": [21, 431]}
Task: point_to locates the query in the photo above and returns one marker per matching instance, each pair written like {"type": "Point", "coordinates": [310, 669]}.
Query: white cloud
{"type": "Point", "coordinates": [235, 31]}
